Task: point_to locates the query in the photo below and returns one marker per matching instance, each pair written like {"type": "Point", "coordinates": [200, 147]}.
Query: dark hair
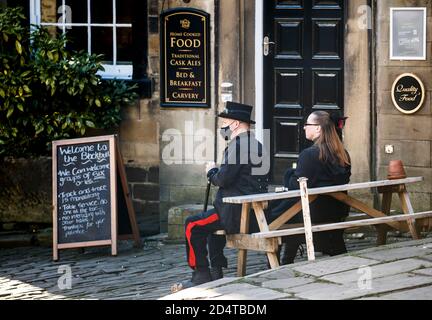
{"type": "Point", "coordinates": [329, 143]}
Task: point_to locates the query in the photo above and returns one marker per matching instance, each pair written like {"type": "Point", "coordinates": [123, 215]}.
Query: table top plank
{"type": "Point", "coordinates": [322, 190]}
{"type": "Point", "coordinates": [342, 225]}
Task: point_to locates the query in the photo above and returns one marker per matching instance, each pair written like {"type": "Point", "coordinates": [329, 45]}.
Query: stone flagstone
{"type": "Point", "coordinates": [378, 286]}
{"type": "Point", "coordinates": [334, 265]}
{"type": "Point", "coordinates": [423, 293]}
{"type": "Point", "coordinates": [398, 253]}
{"type": "Point", "coordinates": [378, 271]}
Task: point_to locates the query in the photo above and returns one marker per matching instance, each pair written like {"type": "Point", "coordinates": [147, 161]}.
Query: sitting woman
{"type": "Point", "coordinates": [326, 163]}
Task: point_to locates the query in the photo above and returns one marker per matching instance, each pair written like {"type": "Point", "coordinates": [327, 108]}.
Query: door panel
{"type": "Point", "coordinates": [303, 71]}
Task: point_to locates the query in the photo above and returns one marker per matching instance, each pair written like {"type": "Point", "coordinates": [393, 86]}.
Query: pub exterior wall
{"type": "Point", "coordinates": [411, 135]}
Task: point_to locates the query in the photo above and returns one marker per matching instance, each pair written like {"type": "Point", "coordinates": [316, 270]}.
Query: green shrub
{"type": "Point", "coordinates": [48, 92]}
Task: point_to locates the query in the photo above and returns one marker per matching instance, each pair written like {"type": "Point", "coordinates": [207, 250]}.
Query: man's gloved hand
{"type": "Point", "coordinates": [211, 169]}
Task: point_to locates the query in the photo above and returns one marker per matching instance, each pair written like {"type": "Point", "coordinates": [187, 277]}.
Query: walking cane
{"type": "Point", "coordinates": [207, 195]}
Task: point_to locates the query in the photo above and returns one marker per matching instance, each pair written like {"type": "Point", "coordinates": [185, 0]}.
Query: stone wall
{"type": "Point", "coordinates": [25, 191]}
{"type": "Point", "coordinates": [139, 138]}
{"type": "Point", "coordinates": [410, 135]}
{"type": "Point", "coordinates": [182, 177]}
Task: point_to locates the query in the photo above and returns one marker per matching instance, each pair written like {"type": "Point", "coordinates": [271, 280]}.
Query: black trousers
{"type": "Point", "coordinates": [328, 242]}
{"type": "Point", "coordinates": [199, 234]}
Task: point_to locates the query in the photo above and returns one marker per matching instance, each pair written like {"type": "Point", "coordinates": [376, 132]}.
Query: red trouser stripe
{"type": "Point", "coordinates": [214, 217]}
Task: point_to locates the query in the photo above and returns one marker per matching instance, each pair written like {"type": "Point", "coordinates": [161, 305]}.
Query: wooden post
{"type": "Point", "coordinates": [244, 229]}
{"type": "Point", "coordinates": [407, 209]}
{"type": "Point", "coordinates": [262, 222]}
{"type": "Point", "coordinates": [385, 208]}
{"type": "Point", "coordinates": [113, 190]}
{"type": "Point", "coordinates": [54, 201]}
{"type": "Point", "coordinates": [306, 218]}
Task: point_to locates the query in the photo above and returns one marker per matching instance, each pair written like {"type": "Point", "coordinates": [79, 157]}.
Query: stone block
{"type": "Point", "coordinates": [136, 174]}
{"type": "Point", "coordinates": [153, 174]}
{"type": "Point", "coordinates": [189, 122]}
{"type": "Point", "coordinates": [387, 75]}
{"type": "Point", "coordinates": [146, 192]}
{"type": "Point", "coordinates": [283, 284]}
{"type": "Point", "coordinates": [176, 218]}
{"type": "Point", "coordinates": [144, 131]}
{"type": "Point", "coordinates": [153, 24]}
{"type": "Point", "coordinates": [190, 194]}
{"type": "Point", "coordinates": [148, 225]}
{"type": "Point", "coordinates": [424, 293]}
{"type": "Point", "coordinates": [26, 190]}
{"type": "Point", "coordinates": [154, 44]}
{"type": "Point", "coordinates": [182, 175]}
{"type": "Point", "coordinates": [334, 265]}
{"type": "Point", "coordinates": [407, 151]}
{"type": "Point", "coordinates": [397, 253]}
{"type": "Point", "coordinates": [153, 7]}
{"type": "Point", "coordinates": [329, 288]}
{"type": "Point", "coordinates": [146, 154]}
{"type": "Point", "coordinates": [385, 105]}
{"type": "Point", "coordinates": [403, 127]}
{"type": "Point", "coordinates": [425, 272]}
{"type": "Point", "coordinates": [378, 271]}
{"type": "Point", "coordinates": [383, 56]}
{"type": "Point", "coordinates": [378, 286]}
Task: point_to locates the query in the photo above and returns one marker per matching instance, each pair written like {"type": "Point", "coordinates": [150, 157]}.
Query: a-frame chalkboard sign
{"type": "Point", "coordinates": [91, 200]}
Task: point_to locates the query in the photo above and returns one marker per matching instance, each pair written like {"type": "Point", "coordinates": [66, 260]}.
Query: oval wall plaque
{"type": "Point", "coordinates": [408, 93]}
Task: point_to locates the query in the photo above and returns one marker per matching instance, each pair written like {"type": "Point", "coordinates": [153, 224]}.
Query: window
{"type": "Point", "coordinates": [98, 26]}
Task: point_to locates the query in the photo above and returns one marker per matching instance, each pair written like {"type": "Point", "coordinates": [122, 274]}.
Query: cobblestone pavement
{"type": "Point", "coordinates": [145, 273]}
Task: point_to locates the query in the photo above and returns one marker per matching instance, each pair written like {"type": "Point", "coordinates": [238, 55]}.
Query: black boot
{"type": "Point", "coordinates": [199, 276]}
{"type": "Point", "coordinates": [216, 273]}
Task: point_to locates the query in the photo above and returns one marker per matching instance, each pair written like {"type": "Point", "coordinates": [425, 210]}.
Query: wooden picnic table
{"type": "Point", "coordinates": [269, 237]}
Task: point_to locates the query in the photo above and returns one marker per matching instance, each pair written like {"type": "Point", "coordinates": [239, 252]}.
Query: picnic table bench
{"type": "Point", "coordinates": [269, 238]}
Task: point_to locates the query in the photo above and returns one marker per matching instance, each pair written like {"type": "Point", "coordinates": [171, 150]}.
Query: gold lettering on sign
{"type": "Point", "coordinates": [409, 94]}
{"type": "Point", "coordinates": [186, 58]}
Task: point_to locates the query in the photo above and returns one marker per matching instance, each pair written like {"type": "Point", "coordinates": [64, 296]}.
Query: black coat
{"type": "Point", "coordinates": [324, 208]}
{"type": "Point", "coordinates": [241, 173]}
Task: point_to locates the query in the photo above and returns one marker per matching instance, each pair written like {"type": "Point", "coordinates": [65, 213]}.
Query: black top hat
{"type": "Point", "coordinates": [237, 111]}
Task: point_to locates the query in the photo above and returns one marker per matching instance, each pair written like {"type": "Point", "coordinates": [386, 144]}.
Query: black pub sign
{"type": "Point", "coordinates": [185, 58]}
{"type": "Point", "coordinates": [408, 93]}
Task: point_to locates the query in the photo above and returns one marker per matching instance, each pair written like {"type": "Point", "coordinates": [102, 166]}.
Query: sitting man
{"type": "Point", "coordinates": [240, 173]}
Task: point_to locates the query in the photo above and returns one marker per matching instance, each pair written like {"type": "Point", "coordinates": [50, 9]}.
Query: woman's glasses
{"type": "Point", "coordinates": [310, 124]}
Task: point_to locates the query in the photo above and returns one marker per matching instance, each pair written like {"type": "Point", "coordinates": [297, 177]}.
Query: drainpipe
{"type": "Point", "coordinates": [216, 74]}
{"type": "Point", "coordinates": [372, 82]}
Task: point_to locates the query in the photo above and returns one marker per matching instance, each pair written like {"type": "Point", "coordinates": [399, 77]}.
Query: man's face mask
{"type": "Point", "coordinates": [226, 132]}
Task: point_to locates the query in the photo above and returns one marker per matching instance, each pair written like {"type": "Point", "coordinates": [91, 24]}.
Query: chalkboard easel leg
{"type": "Point", "coordinates": [55, 254]}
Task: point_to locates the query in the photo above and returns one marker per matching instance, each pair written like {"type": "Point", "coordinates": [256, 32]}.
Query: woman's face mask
{"type": "Point", "coordinates": [226, 132]}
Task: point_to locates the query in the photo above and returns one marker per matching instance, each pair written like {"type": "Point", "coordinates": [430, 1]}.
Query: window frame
{"type": "Point", "coordinates": [112, 71]}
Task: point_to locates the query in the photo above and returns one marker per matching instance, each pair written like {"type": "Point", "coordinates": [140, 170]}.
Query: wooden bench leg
{"type": "Point", "coordinates": [407, 209]}
{"type": "Point", "coordinates": [385, 208]}
{"type": "Point", "coordinates": [273, 259]}
{"type": "Point", "coordinates": [381, 235]}
{"type": "Point", "coordinates": [244, 228]}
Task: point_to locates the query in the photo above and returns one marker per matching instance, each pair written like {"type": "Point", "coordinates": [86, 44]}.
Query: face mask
{"type": "Point", "coordinates": [226, 132]}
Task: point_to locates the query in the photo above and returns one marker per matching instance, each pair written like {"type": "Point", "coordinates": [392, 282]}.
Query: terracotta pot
{"type": "Point", "coordinates": [396, 170]}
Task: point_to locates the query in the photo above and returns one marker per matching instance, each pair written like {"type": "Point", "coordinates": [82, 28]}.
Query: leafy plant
{"type": "Point", "coordinates": [48, 92]}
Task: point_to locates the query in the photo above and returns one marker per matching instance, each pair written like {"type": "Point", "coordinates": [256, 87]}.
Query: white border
{"type": "Point", "coordinates": [422, 9]}
{"type": "Point", "coordinates": [259, 70]}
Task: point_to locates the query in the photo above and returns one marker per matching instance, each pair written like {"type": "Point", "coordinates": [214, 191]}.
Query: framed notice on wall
{"type": "Point", "coordinates": [185, 58]}
{"type": "Point", "coordinates": [407, 33]}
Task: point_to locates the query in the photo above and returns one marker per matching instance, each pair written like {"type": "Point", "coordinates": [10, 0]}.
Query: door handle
{"type": "Point", "coordinates": [266, 45]}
